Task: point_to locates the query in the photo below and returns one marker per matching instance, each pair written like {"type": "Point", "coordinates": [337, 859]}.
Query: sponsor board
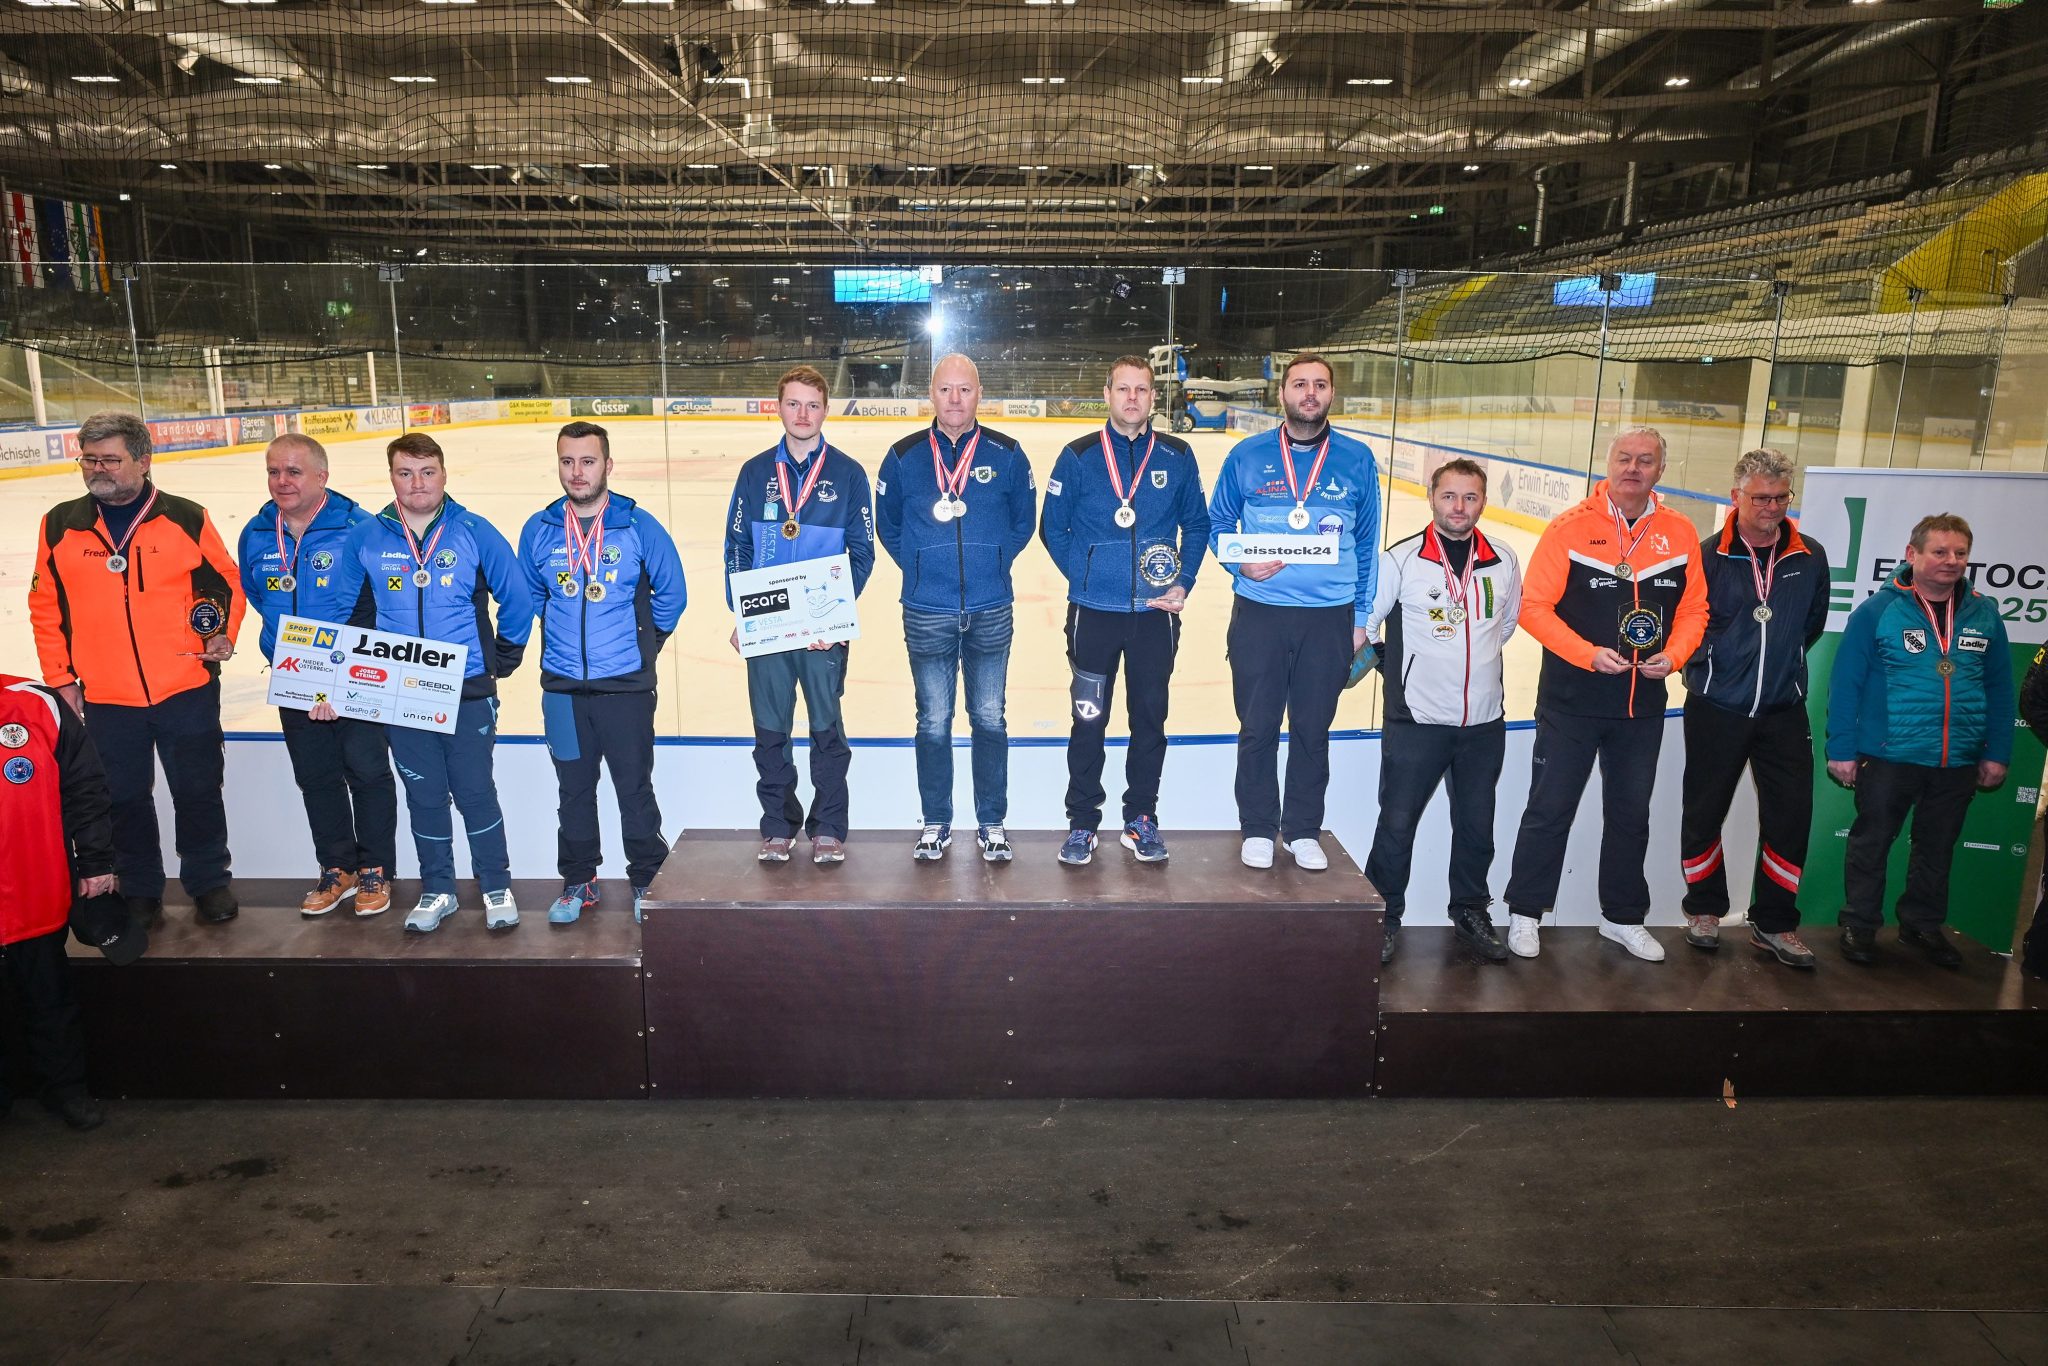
{"type": "Point", "coordinates": [881, 407]}
{"type": "Point", "coordinates": [388, 417]}
{"type": "Point", "coordinates": [1251, 421]}
{"type": "Point", "coordinates": [473, 410]}
{"type": "Point", "coordinates": [326, 422]}
{"type": "Point", "coordinates": [30, 448]}
{"type": "Point", "coordinates": [1246, 547]}
{"type": "Point", "coordinates": [533, 409]}
{"type": "Point", "coordinates": [792, 606]}
{"type": "Point", "coordinates": [427, 415]}
{"type": "Point", "coordinates": [611, 407]}
{"type": "Point", "coordinates": [369, 675]}
{"type": "Point", "coordinates": [1685, 410]}
{"type": "Point", "coordinates": [251, 428]}
{"type": "Point", "coordinates": [1076, 407]}
{"type": "Point", "coordinates": [705, 405]}
{"type": "Point", "coordinates": [1023, 407]}
{"type": "Point", "coordinates": [1364, 407]}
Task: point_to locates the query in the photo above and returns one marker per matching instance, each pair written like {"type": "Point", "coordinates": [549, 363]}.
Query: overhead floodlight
{"type": "Point", "coordinates": [1034, 168]}
{"type": "Point", "coordinates": [51, 4]}
{"type": "Point", "coordinates": [248, 2]}
{"type": "Point", "coordinates": [125, 198]}
{"type": "Point", "coordinates": [1044, 80]}
{"type": "Point", "coordinates": [1139, 166]}
{"type": "Point", "coordinates": [412, 80]}
{"type": "Point", "coordinates": [702, 166]}
{"type": "Point", "coordinates": [936, 323]}
{"type": "Point", "coordinates": [1361, 165]}
{"type": "Point", "coordinates": [1258, 168]}
{"type": "Point", "coordinates": [1201, 80]}
{"type": "Point", "coordinates": [1677, 82]}
{"type": "Point", "coordinates": [567, 80]}
{"type": "Point", "coordinates": [1048, 2]}
{"type": "Point", "coordinates": [1370, 80]}
{"type": "Point", "coordinates": [593, 165]}
{"type": "Point", "coordinates": [273, 166]}
{"type": "Point", "coordinates": [887, 80]}
{"type": "Point", "coordinates": [920, 168]}
{"type": "Point", "coordinates": [259, 80]}
{"type": "Point", "coordinates": [448, 2]}
{"type": "Point", "coordinates": [1470, 167]}
{"type": "Point", "coordinates": [97, 80]}
{"type": "Point", "coordinates": [485, 166]}
{"type": "Point", "coordinates": [1520, 82]}
{"type": "Point", "coordinates": [167, 165]}
{"type": "Point", "coordinates": [372, 166]}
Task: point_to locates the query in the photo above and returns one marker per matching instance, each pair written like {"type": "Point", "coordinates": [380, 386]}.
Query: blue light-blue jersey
{"type": "Point", "coordinates": [1252, 494]}
{"type": "Point", "coordinates": [609, 645]}
{"type": "Point", "coordinates": [311, 562]}
{"type": "Point", "coordinates": [960, 565]}
{"type": "Point", "coordinates": [837, 518]}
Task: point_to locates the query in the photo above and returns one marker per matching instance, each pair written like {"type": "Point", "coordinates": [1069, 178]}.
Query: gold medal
{"type": "Point", "coordinates": [789, 529]}
{"type": "Point", "coordinates": [593, 591]}
{"type": "Point", "coordinates": [1946, 667]}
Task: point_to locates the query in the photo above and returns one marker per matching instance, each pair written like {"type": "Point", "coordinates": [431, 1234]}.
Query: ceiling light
{"type": "Point", "coordinates": [273, 166]}
{"type": "Point", "coordinates": [248, 2]}
{"type": "Point", "coordinates": [1471, 166]}
{"type": "Point", "coordinates": [1048, 2]}
{"type": "Point", "coordinates": [1361, 165]}
{"type": "Point", "coordinates": [412, 80]}
{"type": "Point", "coordinates": [703, 166]}
{"type": "Point", "coordinates": [1520, 83]}
{"type": "Point", "coordinates": [51, 4]}
{"type": "Point", "coordinates": [1201, 80]}
{"type": "Point", "coordinates": [485, 166]}
{"type": "Point", "coordinates": [167, 165]}
{"type": "Point", "coordinates": [920, 168]}
{"type": "Point", "coordinates": [372, 166]}
{"type": "Point", "coordinates": [647, 2]}
{"type": "Point", "coordinates": [97, 80]}
{"type": "Point", "coordinates": [1140, 166]}
{"type": "Point", "coordinates": [887, 80]}
{"type": "Point", "coordinates": [125, 198]}
{"type": "Point", "coordinates": [1370, 80]}
{"type": "Point", "coordinates": [1034, 168]}
{"type": "Point", "coordinates": [1677, 82]}
{"type": "Point", "coordinates": [593, 165]}
{"type": "Point", "coordinates": [259, 80]}
{"type": "Point", "coordinates": [1045, 80]}
{"type": "Point", "coordinates": [449, 2]}
{"type": "Point", "coordinates": [847, 2]}
{"type": "Point", "coordinates": [567, 80]}
{"type": "Point", "coordinates": [1258, 168]}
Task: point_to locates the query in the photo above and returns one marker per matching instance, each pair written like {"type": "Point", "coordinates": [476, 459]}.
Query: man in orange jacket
{"type": "Point", "coordinates": [1617, 598]}
{"type": "Point", "coordinates": [136, 604]}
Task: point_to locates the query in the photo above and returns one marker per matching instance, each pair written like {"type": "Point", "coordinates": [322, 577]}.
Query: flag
{"type": "Point", "coordinates": [99, 256]}
{"type": "Point", "coordinates": [83, 277]}
{"type": "Point", "coordinates": [56, 240]}
{"type": "Point", "coordinates": [24, 248]}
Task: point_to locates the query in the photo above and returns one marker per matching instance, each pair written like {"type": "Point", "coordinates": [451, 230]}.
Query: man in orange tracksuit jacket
{"type": "Point", "coordinates": [1616, 596]}
{"type": "Point", "coordinates": [136, 604]}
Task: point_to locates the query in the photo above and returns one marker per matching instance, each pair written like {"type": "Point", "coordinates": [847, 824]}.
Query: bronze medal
{"type": "Point", "coordinates": [789, 529]}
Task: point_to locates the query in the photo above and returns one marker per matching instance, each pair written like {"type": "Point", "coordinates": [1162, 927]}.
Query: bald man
{"type": "Point", "coordinates": [954, 504]}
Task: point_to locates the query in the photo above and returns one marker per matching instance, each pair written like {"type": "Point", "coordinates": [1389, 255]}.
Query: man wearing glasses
{"type": "Point", "coordinates": [1745, 707]}
{"type": "Point", "coordinates": [136, 605]}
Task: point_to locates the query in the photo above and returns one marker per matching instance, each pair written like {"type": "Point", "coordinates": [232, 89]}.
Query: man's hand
{"type": "Point", "coordinates": [1843, 771]}
{"type": "Point", "coordinates": [95, 886]}
{"type": "Point", "coordinates": [815, 645]}
{"type": "Point", "coordinates": [1656, 666]}
{"type": "Point", "coordinates": [74, 698]}
{"type": "Point", "coordinates": [1609, 661]}
{"type": "Point", "coordinates": [219, 648]}
{"type": "Point", "coordinates": [323, 711]}
{"type": "Point", "coordinates": [1989, 774]}
{"type": "Point", "coordinates": [1258, 571]}
{"type": "Point", "coordinates": [1172, 600]}
{"type": "Point", "coordinates": [1358, 640]}
{"type": "Point", "coordinates": [734, 638]}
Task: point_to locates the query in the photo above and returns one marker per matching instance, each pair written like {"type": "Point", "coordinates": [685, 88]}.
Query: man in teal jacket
{"type": "Point", "coordinates": [1920, 710]}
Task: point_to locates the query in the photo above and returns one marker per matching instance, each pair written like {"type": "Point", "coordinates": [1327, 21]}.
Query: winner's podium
{"type": "Point", "coordinates": [884, 977]}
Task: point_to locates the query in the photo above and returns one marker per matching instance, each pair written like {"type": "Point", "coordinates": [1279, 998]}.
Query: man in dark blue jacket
{"type": "Point", "coordinates": [1745, 707]}
{"type": "Point", "coordinates": [953, 507]}
{"type": "Point", "coordinates": [801, 499]}
{"type": "Point", "coordinates": [608, 584]}
{"type": "Point", "coordinates": [290, 559]}
{"type": "Point", "coordinates": [433, 568]}
{"type": "Point", "coordinates": [1127, 524]}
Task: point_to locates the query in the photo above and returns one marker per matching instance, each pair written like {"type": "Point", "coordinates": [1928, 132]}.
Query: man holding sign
{"type": "Point", "coordinates": [1296, 519]}
{"type": "Point", "coordinates": [800, 500]}
{"type": "Point", "coordinates": [290, 556]}
{"type": "Point", "coordinates": [1616, 596]}
{"type": "Point", "coordinates": [433, 568]}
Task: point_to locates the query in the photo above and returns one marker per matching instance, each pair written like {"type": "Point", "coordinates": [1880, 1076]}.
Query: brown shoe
{"type": "Point", "coordinates": [334, 888]}
{"type": "Point", "coordinates": [825, 849]}
{"type": "Point", "coordinates": [775, 849]}
{"type": "Point", "coordinates": [373, 892]}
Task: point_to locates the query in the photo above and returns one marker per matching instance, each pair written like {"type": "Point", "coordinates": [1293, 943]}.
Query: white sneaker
{"type": "Point", "coordinates": [1308, 854]}
{"type": "Point", "coordinates": [434, 908]}
{"type": "Point", "coordinates": [1522, 935]}
{"type": "Point", "coordinates": [499, 911]}
{"type": "Point", "coordinates": [1635, 939]}
{"type": "Point", "coordinates": [1256, 853]}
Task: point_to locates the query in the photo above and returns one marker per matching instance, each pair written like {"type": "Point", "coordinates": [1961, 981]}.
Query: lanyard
{"type": "Point", "coordinates": [1622, 539]}
{"type": "Point", "coordinates": [1764, 575]}
{"type": "Point", "coordinates": [584, 550]}
{"type": "Point", "coordinates": [954, 482]}
{"type": "Point", "coordinates": [1116, 482]}
{"type": "Point", "coordinates": [121, 550]}
{"type": "Point", "coordinates": [412, 542]}
{"type": "Point", "coordinates": [1940, 640]}
{"type": "Point", "coordinates": [1287, 463]}
{"type": "Point", "coordinates": [795, 504]}
{"type": "Point", "coordinates": [289, 566]}
{"type": "Point", "coordinates": [1458, 586]}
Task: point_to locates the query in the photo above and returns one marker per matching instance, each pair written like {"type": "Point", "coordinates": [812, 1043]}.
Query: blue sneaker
{"type": "Point", "coordinates": [576, 898]}
{"type": "Point", "coordinates": [639, 895]}
{"type": "Point", "coordinates": [994, 842]}
{"type": "Point", "coordinates": [1079, 848]}
{"type": "Point", "coordinates": [1141, 837]}
{"type": "Point", "coordinates": [931, 844]}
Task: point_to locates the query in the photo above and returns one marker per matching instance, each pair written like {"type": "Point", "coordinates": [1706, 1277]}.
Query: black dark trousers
{"type": "Point", "coordinates": [1413, 759]}
{"type": "Point", "coordinates": [38, 977]}
{"type": "Point", "coordinates": [1291, 663]}
{"type": "Point", "coordinates": [782, 810]}
{"type": "Point", "coordinates": [343, 770]}
{"type": "Point", "coordinates": [1777, 749]}
{"type": "Point", "coordinates": [183, 730]}
{"type": "Point", "coordinates": [616, 729]}
{"type": "Point", "coordinates": [1566, 748]}
{"type": "Point", "coordinates": [1146, 643]}
{"type": "Point", "coordinates": [1886, 793]}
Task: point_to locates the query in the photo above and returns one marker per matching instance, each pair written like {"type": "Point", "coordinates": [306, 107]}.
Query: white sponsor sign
{"type": "Point", "coordinates": [367, 675]}
{"type": "Point", "coordinates": [1023, 407]}
{"type": "Point", "coordinates": [1244, 547]}
{"type": "Point", "coordinates": [793, 606]}
{"type": "Point", "coordinates": [473, 410]}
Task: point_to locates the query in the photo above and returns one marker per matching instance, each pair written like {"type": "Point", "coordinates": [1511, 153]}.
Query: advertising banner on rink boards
{"type": "Point", "coordinates": [1864, 519]}
{"type": "Point", "coordinates": [367, 675]}
{"type": "Point", "coordinates": [793, 606]}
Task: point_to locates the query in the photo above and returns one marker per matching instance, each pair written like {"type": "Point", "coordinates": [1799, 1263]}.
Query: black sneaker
{"type": "Point", "coordinates": [1859, 945]}
{"type": "Point", "coordinates": [216, 905]}
{"type": "Point", "coordinates": [1474, 928]}
{"type": "Point", "coordinates": [1934, 944]}
{"type": "Point", "coordinates": [1387, 943]}
{"type": "Point", "coordinates": [147, 912]}
{"type": "Point", "coordinates": [76, 1109]}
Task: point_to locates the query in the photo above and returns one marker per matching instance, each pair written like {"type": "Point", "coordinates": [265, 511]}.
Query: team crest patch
{"type": "Point", "coordinates": [445, 560]}
{"type": "Point", "coordinates": [611, 554]}
{"type": "Point", "coordinates": [984, 473]}
{"type": "Point", "coordinates": [13, 736]}
{"type": "Point", "coordinates": [1916, 642]}
{"type": "Point", "coordinates": [322, 560]}
{"type": "Point", "coordinates": [394, 582]}
{"type": "Point", "coordinates": [19, 770]}
{"type": "Point", "coordinates": [1159, 479]}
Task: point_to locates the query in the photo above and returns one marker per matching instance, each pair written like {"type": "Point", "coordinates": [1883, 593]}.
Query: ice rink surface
{"type": "Point", "coordinates": [507, 472]}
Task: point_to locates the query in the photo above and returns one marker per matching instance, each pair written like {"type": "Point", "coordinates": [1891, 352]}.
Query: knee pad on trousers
{"type": "Point", "coordinates": [1090, 694]}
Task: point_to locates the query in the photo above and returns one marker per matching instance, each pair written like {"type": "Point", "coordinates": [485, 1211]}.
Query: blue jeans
{"type": "Point", "coordinates": [437, 768]}
{"type": "Point", "coordinates": [975, 647]}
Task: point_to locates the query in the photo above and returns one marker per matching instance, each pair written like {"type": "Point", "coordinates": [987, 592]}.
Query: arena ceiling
{"type": "Point", "coordinates": [1071, 129]}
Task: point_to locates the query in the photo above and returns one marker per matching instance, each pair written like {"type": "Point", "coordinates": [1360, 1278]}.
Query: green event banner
{"type": "Point", "coordinates": [1864, 518]}
{"type": "Point", "coordinates": [611, 407]}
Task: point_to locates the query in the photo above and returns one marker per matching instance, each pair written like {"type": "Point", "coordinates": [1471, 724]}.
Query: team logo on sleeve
{"type": "Point", "coordinates": [13, 736]}
{"type": "Point", "coordinates": [19, 770]}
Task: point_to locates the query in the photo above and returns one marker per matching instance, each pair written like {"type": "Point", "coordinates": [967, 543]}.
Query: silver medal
{"type": "Point", "coordinates": [568, 588]}
{"type": "Point", "coordinates": [959, 508]}
{"type": "Point", "coordinates": [1126, 516]}
{"type": "Point", "coordinates": [1456, 614]}
{"type": "Point", "coordinates": [289, 583]}
{"type": "Point", "coordinates": [1298, 519]}
{"type": "Point", "coordinates": [943, 509]}
{"type": "Point", "coordinates": [1762, 611]}
{"type": "Point", "coordinates": [421, 578]}
{"type": "Point", "coordinates": [593, 591]}
{"type": "Point", "coordinates": [117, 564]}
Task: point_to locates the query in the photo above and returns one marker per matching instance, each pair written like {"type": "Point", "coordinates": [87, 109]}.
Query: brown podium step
{"type": "Point", "coordinates": [886, 977]}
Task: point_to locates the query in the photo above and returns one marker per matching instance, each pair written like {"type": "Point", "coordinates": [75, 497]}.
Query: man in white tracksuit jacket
{"type": "Point", "coordinates": [1445, 604]}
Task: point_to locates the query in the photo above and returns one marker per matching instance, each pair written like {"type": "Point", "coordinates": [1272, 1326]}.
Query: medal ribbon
{"type": "Point", "coordinates": [1458, 587]}
{"type": "Point", "coordinates": [133, 526]}
{"type": "Point", "coordinates": [1116, 482]}
{"type": "Point", "coordinates": [412, 542]}
{"type": "Point", "coordinates": [584, 550]}
{"type": "Point", "coordinates": [953, 484]}
{"type": "Point", "coordinates": [1765, 575]}
{"type": "Point", "coordinates": [290, 566]}
{"type": "Point", "coordinates": [1621, 536]}
{"type": "Point", "coordinates": [1928, 608]}
{"type": "Point", "coordinates": [803, 495]}
{"type": "Point", "coordinates": [1287, 463]}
